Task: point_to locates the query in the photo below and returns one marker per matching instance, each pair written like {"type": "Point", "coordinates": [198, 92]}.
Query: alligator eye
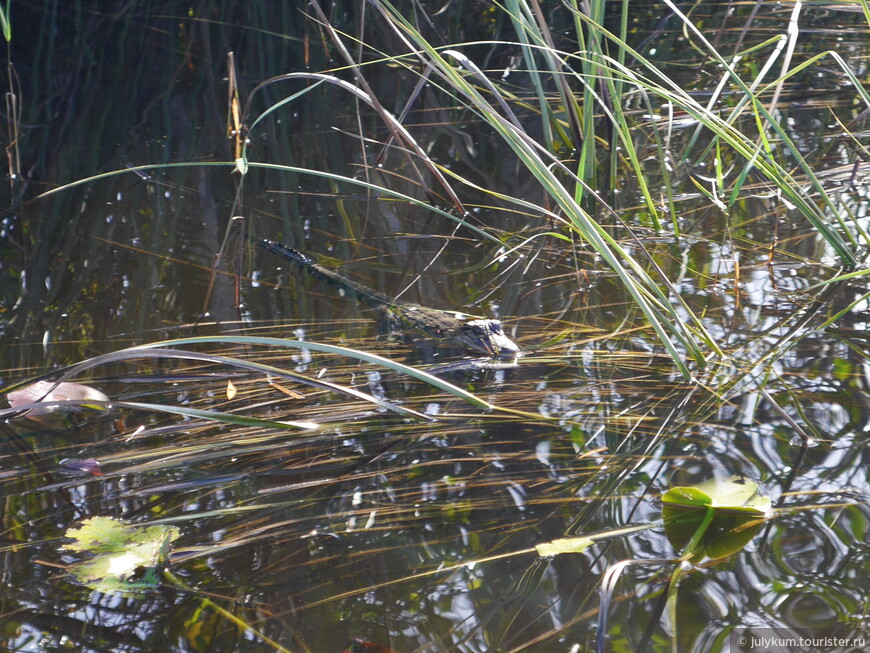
{"type": "Point", "coordinates": [477, 330]}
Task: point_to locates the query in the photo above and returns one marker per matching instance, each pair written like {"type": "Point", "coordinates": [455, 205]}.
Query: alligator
{"type": "Point", "coordinates": [476, 333]}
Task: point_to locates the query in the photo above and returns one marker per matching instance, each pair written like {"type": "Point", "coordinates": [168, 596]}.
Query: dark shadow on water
{"type": "Point", "coordinates": [414, 535]}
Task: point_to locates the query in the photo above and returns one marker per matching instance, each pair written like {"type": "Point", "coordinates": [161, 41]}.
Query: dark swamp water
{"type": "Point", "coordinates": [408, 533]}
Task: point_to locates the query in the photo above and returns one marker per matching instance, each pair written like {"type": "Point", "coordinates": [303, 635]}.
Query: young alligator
{"type": "Point", "coordinates": [479, 334]}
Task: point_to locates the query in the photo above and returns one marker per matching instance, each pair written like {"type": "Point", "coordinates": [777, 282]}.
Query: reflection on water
{"type": "Point", "coordinates": [363, 527]}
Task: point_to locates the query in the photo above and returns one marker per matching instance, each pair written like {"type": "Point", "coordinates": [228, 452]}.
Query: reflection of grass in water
{"type": "Point", "coordinates": [421, 500]}
{"type": "Point", "coordinates": [314, 510]}
{"type": "Point", "coordinates": [607, 72]}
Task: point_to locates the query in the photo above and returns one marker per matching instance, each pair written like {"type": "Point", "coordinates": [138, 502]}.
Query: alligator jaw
{"type": "Point", "coordinates": [488, 337]}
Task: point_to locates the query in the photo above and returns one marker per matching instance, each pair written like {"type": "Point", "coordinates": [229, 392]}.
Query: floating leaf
{"type": "Point", "coordinates": [734, 493]}
{"type": "Point", "coordinates": [126, 557]}
{"type": "Point", "coordinates": [715, 518]}
{"type": "Point", "coordinates": [564, 545]}
{"type": "Point", "coordinates": [231, 390]}
{"type": "Point", "coordinates": [48, 391]}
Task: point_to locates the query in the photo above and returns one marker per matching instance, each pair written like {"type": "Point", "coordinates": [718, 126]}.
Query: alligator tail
{"type": "Point", "coordinates": [316, 270]}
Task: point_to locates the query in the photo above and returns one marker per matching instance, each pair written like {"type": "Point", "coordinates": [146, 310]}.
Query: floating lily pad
{"type": "Point", "coordinates": [564, 545]}
{"type": "Point", "coordinates": [715, 518]}
{"type": "Point", "coordinates": [126, 558]}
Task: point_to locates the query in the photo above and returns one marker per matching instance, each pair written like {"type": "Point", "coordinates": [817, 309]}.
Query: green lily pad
{"type": "Point", "coordinates": [734, 493]}
{"type": "Point", "coordinates": [126, 558]}
{"type": "Point", "coordinates": [564, 545]}
{"type": "Point", "coordinates": [715, 518]}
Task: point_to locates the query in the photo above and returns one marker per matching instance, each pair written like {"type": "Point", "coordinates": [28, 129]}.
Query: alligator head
{"type": "Point", "coordinates": [488, 337]}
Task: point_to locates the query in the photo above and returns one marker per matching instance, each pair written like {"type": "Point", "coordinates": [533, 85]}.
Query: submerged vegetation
{"type": "Point", "coordinates": [665, 205]}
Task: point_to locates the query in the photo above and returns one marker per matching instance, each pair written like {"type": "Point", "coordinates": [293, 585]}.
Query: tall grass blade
{"type": "Point", "coordinates": [6, 21]}
{"type": "Point", "coordinates": [644, 290]}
